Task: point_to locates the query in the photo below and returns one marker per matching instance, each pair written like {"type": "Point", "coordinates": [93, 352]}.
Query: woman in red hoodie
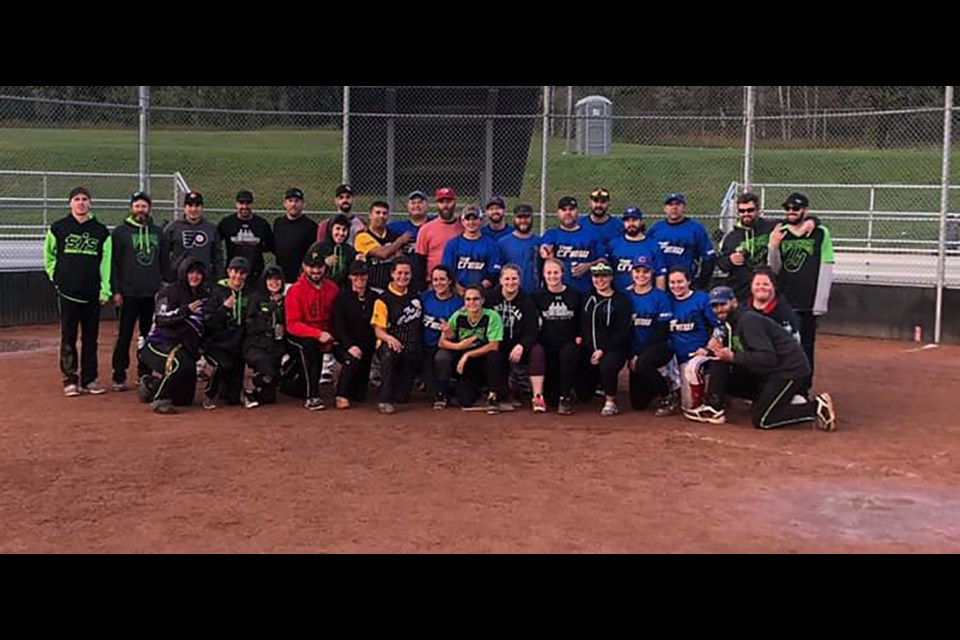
{"type": "Point", "coordinates": [310, 324]}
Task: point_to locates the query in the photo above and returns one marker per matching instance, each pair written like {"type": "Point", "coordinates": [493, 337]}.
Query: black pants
{"type": "Point", "coordinates": [646, 383]}
{"type": "Point", "coordinates": [265, 364]}
{"type": "Point", "coordinates": [486, 372]}
{"type": "Point", "coordinates": [76, 317]}
{"type": "Point", "coordinates": [354, 374]}
{"type": "Point", "coordinates": [563, 367]}
{"type": "Point", "coordinates": [308, 356]}
{"type": "Point", "coordinates": [726, 381]}
{"type": "Point", "coordinates": [178, 375]}
{"type": "Point", "coordinates": [396, 374]}
{"type": "Point", "coordinates": [227, 379]}
{"type": "Point", "coordinates": [607, 374]}
{"type": "Point", "coordinates": [437, 370]}
{"type": "Point", "coordinates": [774, 407]}
{"type": "Point", "coordinates": [135, 311]}
{"type": "Point", "coordinates": [809, 325]}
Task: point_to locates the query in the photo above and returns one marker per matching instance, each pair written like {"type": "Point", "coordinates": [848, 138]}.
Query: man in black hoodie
{"type": "Point", "coordinates": [173, 345]}
{"type": "Point", "coordinates": [263, 343]}
{"type": "Point", "coordinates": [224, 317]}
{"type": "Point", "coordinates": [77, 259]}
{"type": "Point", "coordinates": [139, 263]}
{"type": "Point", "coordinates": [355, 338]}
{"type": "Point", "coordinates": [762, 347]}
{"type": "Point", "coordinates": [607, 322]}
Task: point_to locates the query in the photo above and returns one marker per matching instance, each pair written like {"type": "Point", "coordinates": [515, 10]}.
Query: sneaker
{"type": "Point", "coordinates": [440, 402]}
{"type": "Point", "coordinates": [250, 402]}
{"type": "Point", "coordinates": [209, 404]}
{"type": "Point", "coordinates": [387, 409]}
{"type": "Point", "coordinates": [120, 387]}
{"type": "Point", "coordinates": [610, 410]}
{"type": "Point", "coordinates": [71, 391]}
{"type": "Point", "coordinates": [669, 406]}
{"type": "Point", "coordinates": [343, 404]}
{"type": "Point", "coordinates": [493, 405]}
{"type": "Point", "coordinates": [94, 389]}
{"type": "Point", "coordinates": [705, 414]}
{"type": "Point", "coordinates": [163, 407]}
{"type": "Point", "coordinates": [826, 413]}
{"type": "Point", "coordinates": [539, 405]}
{"type": "Point", "coordinates": [599, 392]}
{"type": "Point", "coordinates": [799, 400]}
{"type": "Point", "coordinates": [566, 407]}
{"type": "Point", "coordinates": [314, 404]}
{"type": "Point", "coordinates": [146, 389]}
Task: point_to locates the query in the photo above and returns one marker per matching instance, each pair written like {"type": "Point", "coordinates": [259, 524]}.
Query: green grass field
{"type": "Point", "coordinates": [219, 163]}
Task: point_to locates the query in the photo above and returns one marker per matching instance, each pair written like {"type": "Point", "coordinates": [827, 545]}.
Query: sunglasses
{"type": "Point", "coordinates": [754, 210]}
{"type": "Point", "coordinates": [792, 208]}
{"type": "Point", "coordinates": [601, 200]}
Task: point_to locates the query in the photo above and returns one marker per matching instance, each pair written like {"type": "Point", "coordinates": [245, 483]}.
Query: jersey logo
{"type": "Point", "coordinates": [82, 245]}
{"type": "Point", "coordinates": [796, 252]}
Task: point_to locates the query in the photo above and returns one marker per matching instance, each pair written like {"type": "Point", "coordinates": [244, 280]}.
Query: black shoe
{"type": "Point", "coordinates": [493, 405]}
{"type": "Point", "coordinates": [566, 407]}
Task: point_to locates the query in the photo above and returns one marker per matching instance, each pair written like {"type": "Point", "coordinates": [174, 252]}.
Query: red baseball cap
{"type": "Point", "coordinates": [446, 194]}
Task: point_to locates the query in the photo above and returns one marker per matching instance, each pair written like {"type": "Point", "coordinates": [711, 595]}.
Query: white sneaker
{"type": "Point", "coordinates": [610, 410]}
{"type": "Point", "coordinates": [706, 414]}
{"type": "Point", "coordinates": [71, 391]}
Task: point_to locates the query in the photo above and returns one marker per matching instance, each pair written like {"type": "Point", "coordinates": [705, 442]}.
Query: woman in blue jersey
{"type": "Point", "coordinates": [439, 305]}
{"type": "Point", "coordinates": [691, 328]}
{"type": "Point", "coordinates": [650, 343]}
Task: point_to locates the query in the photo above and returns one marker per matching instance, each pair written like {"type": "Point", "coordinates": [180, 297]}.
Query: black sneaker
{"type": "Point", "coordinates": [163, 407]}
{"type": "Point", "coordinates": [566, 407]}
{"type": "Point", "coordinates": [669, 406]}
{"type": "Point", "coordinates": [314, 404]}
{"type": "Point", "coordinates": [493, 405]}
{"type": "Point", "coordinates": [440, 402]}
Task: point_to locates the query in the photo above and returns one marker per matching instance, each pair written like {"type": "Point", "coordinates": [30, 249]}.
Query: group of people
{"type": "Point", "coordinates": [475, 311]}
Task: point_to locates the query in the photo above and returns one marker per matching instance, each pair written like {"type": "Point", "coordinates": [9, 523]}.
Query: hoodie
{"type": "Point", "coordinates": [768, 351]}
{"type": "Point", "coordinates": [265, 317]}
{"type": "Point", "coordinates": [200, 241]}
{"type": "Point", "coordinates": [224, 328]}
{"type": "Point", "coordinates": [346, 256]}
{"type": "Point", "coordinates": [607, 323]}
{"type": "Point", "coordinates": [173, 322]}
{"type": "Point", "coordinates": [139, 259]}
{"type": "Point", "coordinates": [310, 308]}
{"type": "Point", "coordinates": [753, 242]}
{"type": "Point", "coordinates": [78, 259]}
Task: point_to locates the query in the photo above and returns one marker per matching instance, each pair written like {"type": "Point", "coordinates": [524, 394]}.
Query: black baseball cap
{"type": "Point", "coordinates": [239, 264]}
{"type": "Point", "coordinates": [80, 191]}
{"type": "Point", "coordinates": [141, 195]}
{"type": "Point", "coordinates": [316, 257]}
{"type": "Point", "coordinates": [344, 189]}
{"type": "Point", "coordinates": [523, 211]}
{"type": "Point", "coordinates": [294, 194]}
{"type": "Point", "coordinates": [496, 201]}
{"type": "Point", "coordinates": [568, 201]}
{"type": "Point", "coordinates": [359, 268]}
{"type": "Point", "coordinates": [193, 198]}
{"type": "Point", "coordinates": [797, 200]}
{"type": "Point", "coordinates": [245, 197]}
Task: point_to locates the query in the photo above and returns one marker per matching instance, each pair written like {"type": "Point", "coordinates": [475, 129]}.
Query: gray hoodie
{"type": "Point", "coordinates": [199, 241]}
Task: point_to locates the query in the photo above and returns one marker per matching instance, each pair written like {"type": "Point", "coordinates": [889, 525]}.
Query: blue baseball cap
{"type": "Point", "coordinates": [722, 295]}
{"type": "Point", "coordinates": [679, 198]}
{"type": "Point", "coordinates": [642, 262]}
{"type": "Point", "coordinates": [633, 213]}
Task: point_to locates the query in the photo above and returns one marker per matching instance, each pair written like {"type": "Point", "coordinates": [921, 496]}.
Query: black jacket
{"type": "Point", "coordinates": [223, 327]}
{"type": "Point", "coordinates": [765, 349]}
{"type": "Point", "coordinates": [351, 320]}
{"type": "Point", "coordinates": [782, 313]}
{"type": "Point", "coordinates": [77, 258]}
{"type": "Point", "coordinates": [607, 323]}
{"type": "Point", "coordinates": [521, 320]}
{"type": "Point", "coordinates": [346, 256]}
{"type": "Point", "coordinates": [140, 259]}
{"type": "Point", "coordinates": [265, 318]}
{"type": "Point", "coordinates": [173, 323]}
{"type": "Point", "coordinates": [754, 243]}
{"type": "Point", "coordinates": [293, 240]}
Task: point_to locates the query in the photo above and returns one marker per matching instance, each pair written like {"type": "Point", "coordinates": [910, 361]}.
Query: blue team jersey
{"type": "Point", "coordinates": [574, 248]}
{"type": "Point", "coordinates": [401, 227]}
{"type": "Point", "coordinates": [526, 255]}
{"type": "Point", "coordinates": [692, 325]}
{"type": "Point", "coordinates": [683, 245]}
{"type": "Point", "coordinates": [650, 312]}
{"type": "Point", "coordinates": [473, 261]}
{"type": "Point", "coordinates": [434, 312]}
{"type": "Point", "coordinates": [623, 252]}
{"type": "Point", "coordinates": [497, 236]}
{"type": "Point", "coordinates": [607, 232]}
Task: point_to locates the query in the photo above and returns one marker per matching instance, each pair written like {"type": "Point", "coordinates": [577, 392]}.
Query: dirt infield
{"type": "Point", "coordinates": [105, 475]}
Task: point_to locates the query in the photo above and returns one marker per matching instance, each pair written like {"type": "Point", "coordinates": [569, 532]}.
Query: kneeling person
{"type": "Point", "coordinates": [263, 344]}
{"type": "Point", "coordinates": [224, 320]}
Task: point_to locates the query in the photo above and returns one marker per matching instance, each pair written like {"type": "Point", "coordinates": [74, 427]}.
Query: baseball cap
{"type": "Point", "coordinates": [359, 269]}
{"type": "Point", "coordinates": [568, 201]}
{"type": "Point", "coordinates": [446, 194]}
{"type": "Point", "coordinates": [633, 213]}
{"type": "Point", "coordinates": [239, 264]}
{"type": "Point", "coordinates": [523, 211]}
{"type": "Point", "coordinates": [600, 194]}
{"type": "Point", "coordinates": [602, 269]}
{"type": "Point", "coordinates": [722, 295]}
{"type": "Point", "coordinates": [193, 198]}
{"type": "Point", "coordinates": [679, 198]}
{"type": "Point", "coordinates": [642, 262]}
{"type": "Point", "coordinates": [294, 194]}
{"type": "Point", "coordinates": [245, 197]}
{"type": "Point", "coordinates": [472, 212]}
{"type": "Point", "coordinates": [79, 191]}
{"type": "Point", "coordinates": [797, 200]}
{"type": "Point", "coordinates": [344, 190]}
{"type": "Point", "coordinates": [316, 257]}
{"type": "Point", "coordinates": [496, 201]}
{"type": "Point", "coordinates": [141, 195]}
{"type": "Point", "coordinates": [417, 195]}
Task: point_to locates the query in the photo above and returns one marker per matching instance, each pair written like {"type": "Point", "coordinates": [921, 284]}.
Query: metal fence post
{"type": "Point", "coordinates": [749, 126]}
{"type": "Point", "coordinates": [873, 211]}
{"type": "Point", "coordinates": [346, 135]}
{"type": "Point", "coordinates": [569, 120]}
{"type": "Point", "coordinates": [545, 153]}
{"type": "Point", "coordinates": [944, 209]}
{"type": "Point", "coordinates": [145, 139]}
{"type": "Point", "coordinates": [46, 199]}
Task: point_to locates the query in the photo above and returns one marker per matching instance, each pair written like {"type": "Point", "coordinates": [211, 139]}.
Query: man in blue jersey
{"type": "Point", "coordinates": [497, 228]}
{"type": "Point", "coordinates": [604, 225]}
{"type": "Point", "coordinates": [417, 208]}
{"type": "Point", "coordinates": [474, 258]}
{"type": "Point", "coordinates": [685, 242]}
{"type": "Point", "coordinates": [633, 243]}
{"type": "Point", "coordinates": [522, 248]}
{"type": "Point", "coordinates": [576, 247]}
